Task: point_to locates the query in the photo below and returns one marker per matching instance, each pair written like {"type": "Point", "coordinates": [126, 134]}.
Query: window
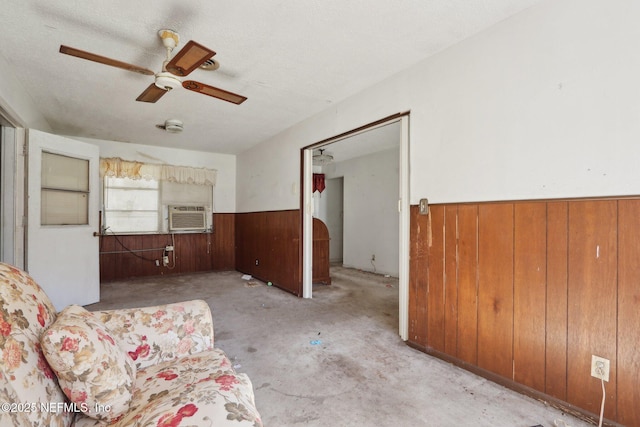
{"type": "Point", "coordinates": [137, 196]}
{"type": "Point", "coordinates": [131, 205]}
{"type": "Point", "coordinates": [64, 190]}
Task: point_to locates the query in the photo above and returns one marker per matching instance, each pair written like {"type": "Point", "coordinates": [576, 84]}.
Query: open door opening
{"type": "Point", "coordinates": [401, 232]}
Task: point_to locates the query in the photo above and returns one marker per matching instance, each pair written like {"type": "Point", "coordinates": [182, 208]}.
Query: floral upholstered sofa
{"type": "Point", "coordinates": [153, 366]}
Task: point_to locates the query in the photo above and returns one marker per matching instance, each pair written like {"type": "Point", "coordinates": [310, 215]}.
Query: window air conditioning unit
{"type": "Point", "coordinates": [187, 218]}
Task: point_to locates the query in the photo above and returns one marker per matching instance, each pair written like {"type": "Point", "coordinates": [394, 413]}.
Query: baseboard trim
{"type": "Point", "coordinates": [520, 388]}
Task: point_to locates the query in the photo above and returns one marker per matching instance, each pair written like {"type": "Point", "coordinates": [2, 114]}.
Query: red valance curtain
{"type": "Point", "coordinates": [318, 182]}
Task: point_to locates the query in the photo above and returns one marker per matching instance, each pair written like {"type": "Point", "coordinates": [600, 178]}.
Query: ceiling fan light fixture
{"type": "Point", "coordinates": [321, 158]}
{"type": "Point", "coordinates": [170, 38]}
{"type": "Point", "coordinates": [167, 81]}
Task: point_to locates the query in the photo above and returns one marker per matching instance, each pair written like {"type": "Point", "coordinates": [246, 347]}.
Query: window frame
{"type": "Point", "coordinates": [157, 210]}
{"type": "Point", "coordinates": [51, 185]}
{"type": "Point", "coordinates": [164, 199]}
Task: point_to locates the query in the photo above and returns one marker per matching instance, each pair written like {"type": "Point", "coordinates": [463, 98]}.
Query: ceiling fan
{"type": "Point", "coordinates": [190, 57]}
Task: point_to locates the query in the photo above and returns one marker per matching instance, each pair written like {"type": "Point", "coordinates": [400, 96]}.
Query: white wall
{"type": "Point", "coordinates": [225, 164]}
{"type": "Point", "coordinates": [371, 221]}
{"type": "Point", "coordinates": [543, 105]}
{"type": "Point", "coordinates": [331, 211]}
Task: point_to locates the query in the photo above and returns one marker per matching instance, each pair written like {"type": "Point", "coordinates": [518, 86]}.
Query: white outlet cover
{"type": "Point", "coordinates": [606, 365]}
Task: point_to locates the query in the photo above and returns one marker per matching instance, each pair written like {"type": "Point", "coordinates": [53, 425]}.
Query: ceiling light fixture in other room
{"type": "Point", "coordinates": [320, 159]}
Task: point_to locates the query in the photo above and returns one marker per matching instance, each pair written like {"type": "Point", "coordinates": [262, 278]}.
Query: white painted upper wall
{"type": "Point", "coordinates": [370, 222]}
{"type": "Point", "coordinates": [225, 164]}
{"type": "Point", "coordinates": [545, 104]}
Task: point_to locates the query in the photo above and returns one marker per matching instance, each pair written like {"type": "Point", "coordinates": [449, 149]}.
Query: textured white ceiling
{"type": "Point", "coordinates": [291, 58]}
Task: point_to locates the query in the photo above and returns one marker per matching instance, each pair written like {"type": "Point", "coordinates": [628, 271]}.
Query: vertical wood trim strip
{"type": "Point", "coordinates": [451, 281]}
{"type": "Point", "coordinates": [468, 283]}
{"type": "Point", "coordinates": [628, 359]}
{"type": "Point", "coordinates": [418, 277]}
{"type": "Point", "coordinates": [556, 313]}
{"type": "Point", "coordinates": [435, 295]}
{"type": "Point", "coordinates": [495, 287]}
{"type": "Point", "coordinates": [530, 270]}
{"type": "Point", "coordinates": [592, 301]}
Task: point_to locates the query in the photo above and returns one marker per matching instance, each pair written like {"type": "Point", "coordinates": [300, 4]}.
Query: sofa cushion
{"type": "Point", "coordinates": [25, 375]}
{"type": "Point", "coordinates": [195, 390]}
{"type": "Point", "coordinates": [92, 370]}
{"type": "Point", "coordinates": [152, 335]}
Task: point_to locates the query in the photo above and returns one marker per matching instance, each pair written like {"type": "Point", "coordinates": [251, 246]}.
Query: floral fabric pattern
{"type": "Point", "coordinates": [203, 389]}
{"type": "Point", "coordinates": [158, 334]}
{"type": "Point", "coordinates": [25, 375]}
{"type": "Point", "coordinates": [93, 371]}
{"type": "Point", "coordinates": [178, 378]}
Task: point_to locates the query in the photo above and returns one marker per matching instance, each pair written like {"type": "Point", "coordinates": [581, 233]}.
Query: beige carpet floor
{"type": "Point", "coordinates": [337, 359]}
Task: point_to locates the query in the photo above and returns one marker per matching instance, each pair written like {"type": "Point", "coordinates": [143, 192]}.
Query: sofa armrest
{"type": "Point", "coordinates": [151, 335]}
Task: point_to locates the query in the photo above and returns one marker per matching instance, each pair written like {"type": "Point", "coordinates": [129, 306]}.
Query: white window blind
{"type": "Point", "coordinates": [64, 198]}
{"type": "Point", "coordinates": [136, 196]}
{"type": "Point", "coordinates": [131, 205]}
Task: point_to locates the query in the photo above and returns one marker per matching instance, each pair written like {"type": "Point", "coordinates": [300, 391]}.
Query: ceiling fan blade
{"type": "Point", "coordinates": [151, 94]}
{"type": "Point", "coordinates": [104, 60]}
{"type": "Point", "coordinates": [213, 91]}
{"type": "Point", "coordinates": [189, 58]}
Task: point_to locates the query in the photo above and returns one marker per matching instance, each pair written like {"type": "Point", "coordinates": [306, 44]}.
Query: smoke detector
{"type": "Point", "coordinates": [172, 126]}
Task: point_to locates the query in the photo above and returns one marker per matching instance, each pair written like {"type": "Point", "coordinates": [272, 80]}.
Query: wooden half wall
{"type": "Point", "coordinates": [528, 291]}
{"type": "Point", "coordinates": [268, 248]}
{"type": "Point", "coordinates": [263, 244]}
{"type": "Point", "coordinates": [194, 252]}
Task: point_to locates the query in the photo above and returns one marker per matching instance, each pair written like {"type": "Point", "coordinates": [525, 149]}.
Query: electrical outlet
{"type": "Point", "coordinates": [373, 257]}
{"type": "Point", "coordinates": [424, 207]}
{"type": "Point", "coordinates": [257, 262]}
{"type": "Point", "coordinates": [600, 367]}
{"type": "Point", "coordinates": [165, 260]}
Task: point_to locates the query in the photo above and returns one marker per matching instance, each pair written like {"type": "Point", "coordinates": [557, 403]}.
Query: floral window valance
{"type": "Point", "coordinates": [119, 168]}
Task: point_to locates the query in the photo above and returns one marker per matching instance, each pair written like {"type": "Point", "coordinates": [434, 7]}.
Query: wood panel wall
{"type": "Point", "coordinates": [268, 247]}
{"type": "Point", "coordinates": [321, 266]}
{"type": "Point", "coordinates": [528, 291]}
{"type": "Point", "coordinates": [194, 252]}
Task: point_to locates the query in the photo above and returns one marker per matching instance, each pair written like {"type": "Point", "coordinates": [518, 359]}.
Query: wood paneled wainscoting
{"type": "Point", "coordinates": [268, 248]}
{"type": "Point", "coordinates": [525, 292]}
{"type": "Point", "coordinates": [193, 252]}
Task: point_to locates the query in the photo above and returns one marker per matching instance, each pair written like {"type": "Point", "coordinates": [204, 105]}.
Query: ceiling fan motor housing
{"type": "Point", "coordinates": [167, 81]}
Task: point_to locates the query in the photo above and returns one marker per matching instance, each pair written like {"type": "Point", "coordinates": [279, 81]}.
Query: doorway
{"type": "Point", "coordinates": [401, 123]}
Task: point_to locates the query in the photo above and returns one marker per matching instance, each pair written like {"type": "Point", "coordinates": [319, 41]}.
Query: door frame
{"type": "Point", "coordinates": [12, 184]}
{"type": "Point", "coordinates": [306, 212]}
